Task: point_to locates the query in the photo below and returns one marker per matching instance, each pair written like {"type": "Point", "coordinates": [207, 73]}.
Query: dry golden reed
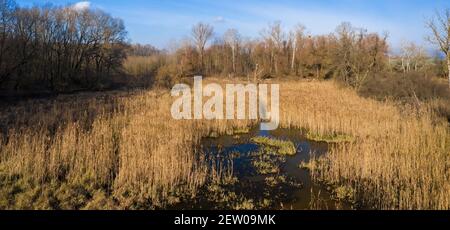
{"type": "Point", "coordinates": [124, 150]}
{"type": "Point", "coordinates": [136, 151]}
{"type": "Point", "coordinates": [399, 158]}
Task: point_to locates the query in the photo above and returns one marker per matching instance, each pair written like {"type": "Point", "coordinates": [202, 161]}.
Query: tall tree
{"type": "Point", "coordinates": [202, 33]}
{"type": "Point", "coordinates": [358, 54]}
{"type": "Point", "coordinates": [7, 22]}
{"type": "Point", "coordinates": [297, 37]}
{"type": "Point", "coordinates": [232, 38]}
{"type": "Point", "coordinates": [413, 56]}
{"type": "Point", "coordinates": [440, 29]}
{"type": "Point", "coordinates": [274, 37]}
{"type": "Point", "coordinates": [58, 47]}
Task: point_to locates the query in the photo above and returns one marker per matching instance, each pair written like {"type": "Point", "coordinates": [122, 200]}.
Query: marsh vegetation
{"type": "Point", "coordinates": [123, 150]}
{"type": "Point", "coordinates": [360, 127]}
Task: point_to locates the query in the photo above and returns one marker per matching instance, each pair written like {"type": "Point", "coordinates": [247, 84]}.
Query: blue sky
{"type": "Point", "coordinates": [161, 22]}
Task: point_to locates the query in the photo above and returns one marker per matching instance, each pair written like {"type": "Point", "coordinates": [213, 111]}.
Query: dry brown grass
{"type": "Point", "coordinates": [136, 152]}
{"type": "Point", "coordinates": [125, 151]}
{"type": "Point", "coordinates": [400, 157]}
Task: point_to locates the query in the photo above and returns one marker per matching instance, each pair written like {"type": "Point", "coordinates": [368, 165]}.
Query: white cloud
{"type": "Point", "coordinates": [84, 5]}
{"type": "Point", "coordinates": [219, 19]}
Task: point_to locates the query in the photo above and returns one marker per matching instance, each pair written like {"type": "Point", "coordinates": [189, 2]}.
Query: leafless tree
{"type": "Point", "coordinates": [274, 37]}
{"type": "Point", "coordinates": [358, 54]}
{"type": "Point", "coordinates": [7, 21]}
{"type": "Point", "coordinates": [440, 34]}
{"type": "Point", "coordinates": [202, 33]}
{"type": "Point", "coordinates": [297, 37]}
{"type": "Point", "coordinates": [412, 56]}
{"type": "Point", "coordinates": [58, 47]}
{"type": "Point", "coordinates": [143, 50]}
{"type": "Point", "coordinates": [232, 38]}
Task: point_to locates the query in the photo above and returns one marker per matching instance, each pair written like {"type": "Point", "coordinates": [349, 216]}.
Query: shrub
{"type": "Point", "coordinates": [167, 76]}
{"type": "Point", "coordinates": [404, 87]}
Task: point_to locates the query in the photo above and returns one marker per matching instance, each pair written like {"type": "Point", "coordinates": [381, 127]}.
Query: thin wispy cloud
{"type": "Point", "coordinates": [219, 19]}
{"type": "Point", "coordinates": [79, 6]}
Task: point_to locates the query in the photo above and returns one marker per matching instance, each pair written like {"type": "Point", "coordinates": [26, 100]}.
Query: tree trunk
{"type": "Point", "coordinates": [233, 51]}
{"type": "Point", "coordinates": [255, 75]}
{"type": "Point", "coordinates": [294, 49]}
{"type": "Point", "coordinates": [448, 68]}
{"type": "Point", "coordinates": [202, 66]}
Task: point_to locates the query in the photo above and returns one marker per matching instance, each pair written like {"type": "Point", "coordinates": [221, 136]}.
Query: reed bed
{"type": "Point", "coordinates": [123, 150]}
{"type": "Point", "coordinates": [399, 157]}
{"type": "Point", "coordinates": [129, 150]}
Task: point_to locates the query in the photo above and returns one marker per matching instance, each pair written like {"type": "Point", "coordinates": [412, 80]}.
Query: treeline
{"type": "Point", "coordinates": [58, 48]}
{"type": "Point", "coordinates": [140, 50]}
{"type": "Point", "coordinates": [350, 55]}
{"type": "Point", "coordinates": [66, 48]}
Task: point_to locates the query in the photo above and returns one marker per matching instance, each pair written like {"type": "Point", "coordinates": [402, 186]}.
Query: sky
{"type": "Point", "coordinates": [163, 22]}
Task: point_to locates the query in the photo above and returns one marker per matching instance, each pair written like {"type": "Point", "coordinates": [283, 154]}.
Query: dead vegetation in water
{"type": "Point", "coordinates": [281, 147]}
{"type": "Point", "coordinates": [329, 138]}
{"type": "Point", "coordinates": [266, 164]}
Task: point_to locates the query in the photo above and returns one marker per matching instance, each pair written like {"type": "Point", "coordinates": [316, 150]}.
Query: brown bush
{"type": "Point", "coordinates": [167, 76]}
{"type": "Point", "coordinates": [404, 87]}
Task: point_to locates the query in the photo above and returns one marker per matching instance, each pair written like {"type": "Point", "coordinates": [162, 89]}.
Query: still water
{"type": "Point", "coordinates": [296, 190]}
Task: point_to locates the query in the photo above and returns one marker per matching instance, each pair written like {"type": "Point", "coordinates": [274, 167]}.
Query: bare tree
{"type": "Point", "coordinates": [7, 22]}
{"type": "Point", "coordinates": [297, 35]}
{"type": "Point", "coordinates": [232, 38]}
{"type": "Point", "coordinates": [412, 56]}
{"type": "Point", "coordinates": [440, 28]}
{"type": "Point", "coordinates": [143, 50]}
{"type": "Point", "coordinates": [59, 48]}
{"type": "Point", "coordinates": [358, 54]}
{"type": "Point", "coordinates": [202, 33]}
{"type": "Point", "coordinates": [274, 36]}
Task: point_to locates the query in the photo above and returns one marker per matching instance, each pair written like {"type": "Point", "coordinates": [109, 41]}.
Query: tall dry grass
{"type": "Point", "coordinates": [124, 150]}
{"type": "Point", "coordinates": [130, 150]}
{"type": "Point", "coordinates": [400, 156]}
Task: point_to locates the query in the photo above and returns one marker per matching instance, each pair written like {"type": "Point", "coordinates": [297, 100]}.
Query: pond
{"type": "Point", "coordinates": [259, 178]}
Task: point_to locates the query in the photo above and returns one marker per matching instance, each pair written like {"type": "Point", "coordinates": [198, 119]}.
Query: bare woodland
{"type": "Point", "coordinates": [58, 48]}
{"type": "Point", "coordinates": [61, 48]}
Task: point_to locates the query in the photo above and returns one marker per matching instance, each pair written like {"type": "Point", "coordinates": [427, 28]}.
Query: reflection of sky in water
{"type": "Point", "coordinates": [242, 164]}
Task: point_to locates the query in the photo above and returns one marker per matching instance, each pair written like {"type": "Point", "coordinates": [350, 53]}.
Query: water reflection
{"type": "Point", "coordinates": [295, 191]}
